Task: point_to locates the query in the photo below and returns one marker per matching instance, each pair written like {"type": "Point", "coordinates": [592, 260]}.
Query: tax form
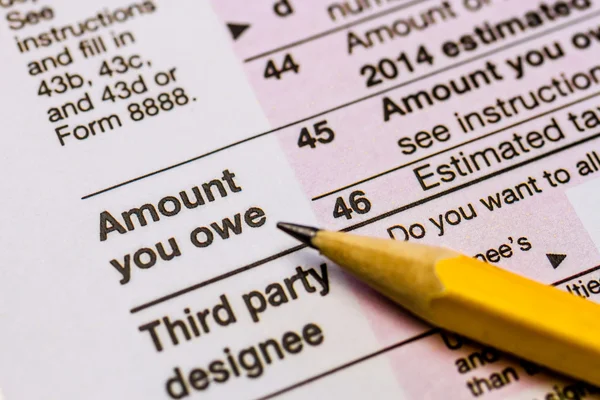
{"type": "Point", "coordinates": [150, 147]}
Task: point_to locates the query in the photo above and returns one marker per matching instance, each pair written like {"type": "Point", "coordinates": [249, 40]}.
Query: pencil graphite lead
{"type": "Point", "coordinates": [305, 234]}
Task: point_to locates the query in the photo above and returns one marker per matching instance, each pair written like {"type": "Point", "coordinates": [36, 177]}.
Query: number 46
{"type": "Point", "coordinates": [358, 202]}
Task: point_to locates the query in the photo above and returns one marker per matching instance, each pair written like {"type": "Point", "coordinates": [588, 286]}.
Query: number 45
{"type": "Point", "coordinates": [322, 134]}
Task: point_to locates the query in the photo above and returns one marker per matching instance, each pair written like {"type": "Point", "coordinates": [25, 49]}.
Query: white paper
{"type": "Point", "coordinates": [216, 132]}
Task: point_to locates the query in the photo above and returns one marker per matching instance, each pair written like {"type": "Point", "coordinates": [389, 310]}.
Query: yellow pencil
{"type": "Point", "coordinates": [461, 294]}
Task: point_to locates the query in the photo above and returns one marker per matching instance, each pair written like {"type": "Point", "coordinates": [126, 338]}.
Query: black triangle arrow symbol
{"type": "Point", "coordinates": [236, 30]}
{"type": "Point", "coordinates": [556, 259]}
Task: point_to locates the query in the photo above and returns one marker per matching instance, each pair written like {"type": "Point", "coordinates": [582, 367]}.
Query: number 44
{"type": "Point", "coordinates": [272, 71]}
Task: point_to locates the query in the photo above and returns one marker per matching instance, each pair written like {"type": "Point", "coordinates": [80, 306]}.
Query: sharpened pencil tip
{"type": "Point", "coordinates": [305, 234]}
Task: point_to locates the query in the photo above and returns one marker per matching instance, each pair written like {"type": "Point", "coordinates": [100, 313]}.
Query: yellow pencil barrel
{"type": "Point", "coordinates": [488, 304]}
{"type": "Point", "coordinates": [519, 316]}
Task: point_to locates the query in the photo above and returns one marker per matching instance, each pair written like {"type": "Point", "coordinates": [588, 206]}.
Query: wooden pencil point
{"type": "Point", "coordinates": [303, 233]}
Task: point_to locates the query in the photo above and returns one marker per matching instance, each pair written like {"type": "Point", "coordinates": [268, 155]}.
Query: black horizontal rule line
{"type": "Point", "coordinates": [342, 106]}
{"type": "Point", "coordinates": [578, 275]}
{"type": "Point", "coordinates": [389, 348]}
{"type": "Point", "coordinates": [216, 279]}
{"type": "Point", "coordinates": [471, 183]}
{"type": "Point", "coordinates": [349, 364]}
{"type": "Point", "coordinates": [408, 164]}
{"type": "Point", "coordinates": [291, 250]}
{"type": "Point", "coordinates": [328, 32]}
{"type": "Point", "coordinates": [158, 171]}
